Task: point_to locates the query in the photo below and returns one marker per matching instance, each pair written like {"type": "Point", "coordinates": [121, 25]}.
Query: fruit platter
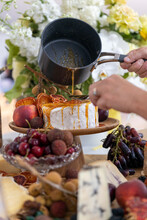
{"type": "Point", "coordinates": [120, 176]}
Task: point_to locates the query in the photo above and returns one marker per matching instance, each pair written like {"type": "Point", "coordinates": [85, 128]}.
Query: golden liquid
{"type": "Point", "coordinates": [86, 113]}
{"type": "Point", "coordinates": [73, 76]}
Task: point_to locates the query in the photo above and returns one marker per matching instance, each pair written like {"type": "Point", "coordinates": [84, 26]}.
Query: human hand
{"type": "Point", "coordinates": [134, 62]}
{"type": "Point", "coordinates": [115, 92]}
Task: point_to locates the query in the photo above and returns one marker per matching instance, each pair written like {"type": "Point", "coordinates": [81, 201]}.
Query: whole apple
{"type": "Point", "coordinates": [24, 113]}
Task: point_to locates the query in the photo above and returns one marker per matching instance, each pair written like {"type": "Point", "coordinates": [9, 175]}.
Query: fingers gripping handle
{"type": "Point", "coordinates": [121, 58]}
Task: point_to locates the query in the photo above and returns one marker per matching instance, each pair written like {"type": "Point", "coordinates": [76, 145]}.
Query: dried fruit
{"type": "Point", "coordinates": [20, 179]}
{"type": "Point", "coordinates": [30, 178]}
{"type": "Point", "coordinates": [77, 92]}
{"type": "Point", "coordinates": [52, 90]}
{"type": "Point", "coordinates": [42, 99]}
{"type": "Point", "coordinates": [26, 101]}
{"type": "Point", "coordinates": [57, 99]}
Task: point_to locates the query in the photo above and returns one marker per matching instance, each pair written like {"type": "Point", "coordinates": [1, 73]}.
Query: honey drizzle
{"type": "Point", "coordinates": [79, 117]}
{"type": "Point", "coordinates": [86, 113]}
{"type": "Point", "coordinates": [73, 76]}
{"type": "Point", "coordinates": [96, 115]}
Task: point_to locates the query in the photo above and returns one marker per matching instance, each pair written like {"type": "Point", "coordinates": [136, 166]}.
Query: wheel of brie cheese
{"type": "Point", "coordinates": [72, 114]}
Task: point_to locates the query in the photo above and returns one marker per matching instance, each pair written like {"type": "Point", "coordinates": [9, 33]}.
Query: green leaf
{"type": "Point", "coordinates": [85, 85]}
{"type": "Point", "coordinates": [20, 80]}
{"type": "Point", "coordinates": [14, 93]}
{"type": "Point", "coordinates": [126, 75]}
{"type": "Point", "coordinates": [17, 90]}
{"type": "Point", "coordinates": [13, 52]}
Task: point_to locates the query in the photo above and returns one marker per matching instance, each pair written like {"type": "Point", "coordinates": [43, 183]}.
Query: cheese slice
{"type": "Point", "coordinates": [112, 173]}
{"type": "Point", "coordinates": [14, 195]}
{"type": "Point", "coordinates": [93, 195]}
{"type": "Point", "coordinates": [5, 166]}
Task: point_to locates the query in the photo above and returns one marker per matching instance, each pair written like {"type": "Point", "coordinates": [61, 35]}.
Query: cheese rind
{"type": "Point", "coordinates": [72, 116]}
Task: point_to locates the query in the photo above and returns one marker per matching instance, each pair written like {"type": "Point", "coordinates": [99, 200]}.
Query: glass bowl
{"type": "Point", "coordinates": [50, 162]}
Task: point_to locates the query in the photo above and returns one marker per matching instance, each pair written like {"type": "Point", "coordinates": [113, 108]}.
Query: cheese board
{"type": "Point", "coordinates": [106, 125]}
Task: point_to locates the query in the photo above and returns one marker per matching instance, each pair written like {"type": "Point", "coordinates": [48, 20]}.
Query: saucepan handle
{"type": "Point", "coordinates": [116, 58]}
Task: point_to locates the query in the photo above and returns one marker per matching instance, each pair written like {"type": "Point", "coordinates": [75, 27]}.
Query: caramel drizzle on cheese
{"type": "Point", "coordinates": [86, 113]}
{"type": "Point", "coordinates": [51, 106]}
{"type": "Point", "coordinates": [96, 114]}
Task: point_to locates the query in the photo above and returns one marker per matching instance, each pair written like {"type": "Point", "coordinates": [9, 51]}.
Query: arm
{"type": "Point", "coordinates": [134, 62]}
{"type": "Point", "coordinates": [116, 92]}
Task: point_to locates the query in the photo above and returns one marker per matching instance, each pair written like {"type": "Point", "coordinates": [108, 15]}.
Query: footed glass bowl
{"type": "Point", "coordinates": [50, 162]}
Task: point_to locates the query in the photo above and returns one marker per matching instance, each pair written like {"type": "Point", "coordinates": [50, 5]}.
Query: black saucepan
{"type": "Point", "coordinates": [68, 45]}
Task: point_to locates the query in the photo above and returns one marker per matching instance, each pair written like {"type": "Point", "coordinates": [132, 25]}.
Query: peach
{"type": "Point", "coordinates": [133, 188]}
{"type": "Point", "coordinates": [23, 113]}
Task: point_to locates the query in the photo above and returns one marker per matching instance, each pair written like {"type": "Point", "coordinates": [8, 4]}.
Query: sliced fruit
{"type": "Point", "coordinates": [26, 101]}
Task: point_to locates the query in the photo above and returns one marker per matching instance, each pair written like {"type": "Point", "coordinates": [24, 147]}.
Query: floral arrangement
{"type": "Point", "coordinates": [120, 28]}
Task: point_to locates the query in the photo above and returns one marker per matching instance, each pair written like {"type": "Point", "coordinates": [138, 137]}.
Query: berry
{"type": "Point", "coordinates": [112, 189]}
{"type": "Point", "coordinates": [24, 139]}
{"type": "Point", "coordinates": [142, 178]}
{"type": "Point", "coordinates": [36, 122]}
{"type": "Point", "coordinates": [118, 212]}
{"type": "Point", "coordinates": [14, 147]}
{"type": "Point", "coordinates": [30, 156]}
{"type": "Point", "coordinates": [70, 150]}
{"type": "Point", "coordinates": [23, 148]}
{"type": "Point", "coordinates": [17, 139]}
{"type": "Point", "coordinates": [43, 139]}
{"type": "Point", "coordinates": [37, 151]}
{"type": "Point", "coordinates": [10, 152]}
{"type": "Point", "coordinates": [58, 209]}
{"type": "Point", "coordinates": [103, 114]}
{"type": "Point", "coordinates": [34, 142]}
{"type": "Point", "coordinates": [47, 150]}
{"type": "Point", "coordinates": [7, 147]}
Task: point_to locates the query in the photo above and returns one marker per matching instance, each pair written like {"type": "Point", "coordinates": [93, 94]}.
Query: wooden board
{"type": "Point", "coordinates": [106, 125]}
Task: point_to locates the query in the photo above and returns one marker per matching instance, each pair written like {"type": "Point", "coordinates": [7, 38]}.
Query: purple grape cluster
{"type": "Point", "coordinates": [126, 149]}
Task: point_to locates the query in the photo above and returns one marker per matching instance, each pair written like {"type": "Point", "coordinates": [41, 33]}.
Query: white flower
{"type": "Point", "coordinates": [90, 14]}
{"type": "Point", "coordinates": [137, 82]}
{"type": "Point", "coordinates": [86, 10]}
{"type": "Point", "coordinates": [39, 11]}
{"type": "Point", "coordinates": [28, 45]}
{"type": "Point", "coordinates": [111, 42]}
